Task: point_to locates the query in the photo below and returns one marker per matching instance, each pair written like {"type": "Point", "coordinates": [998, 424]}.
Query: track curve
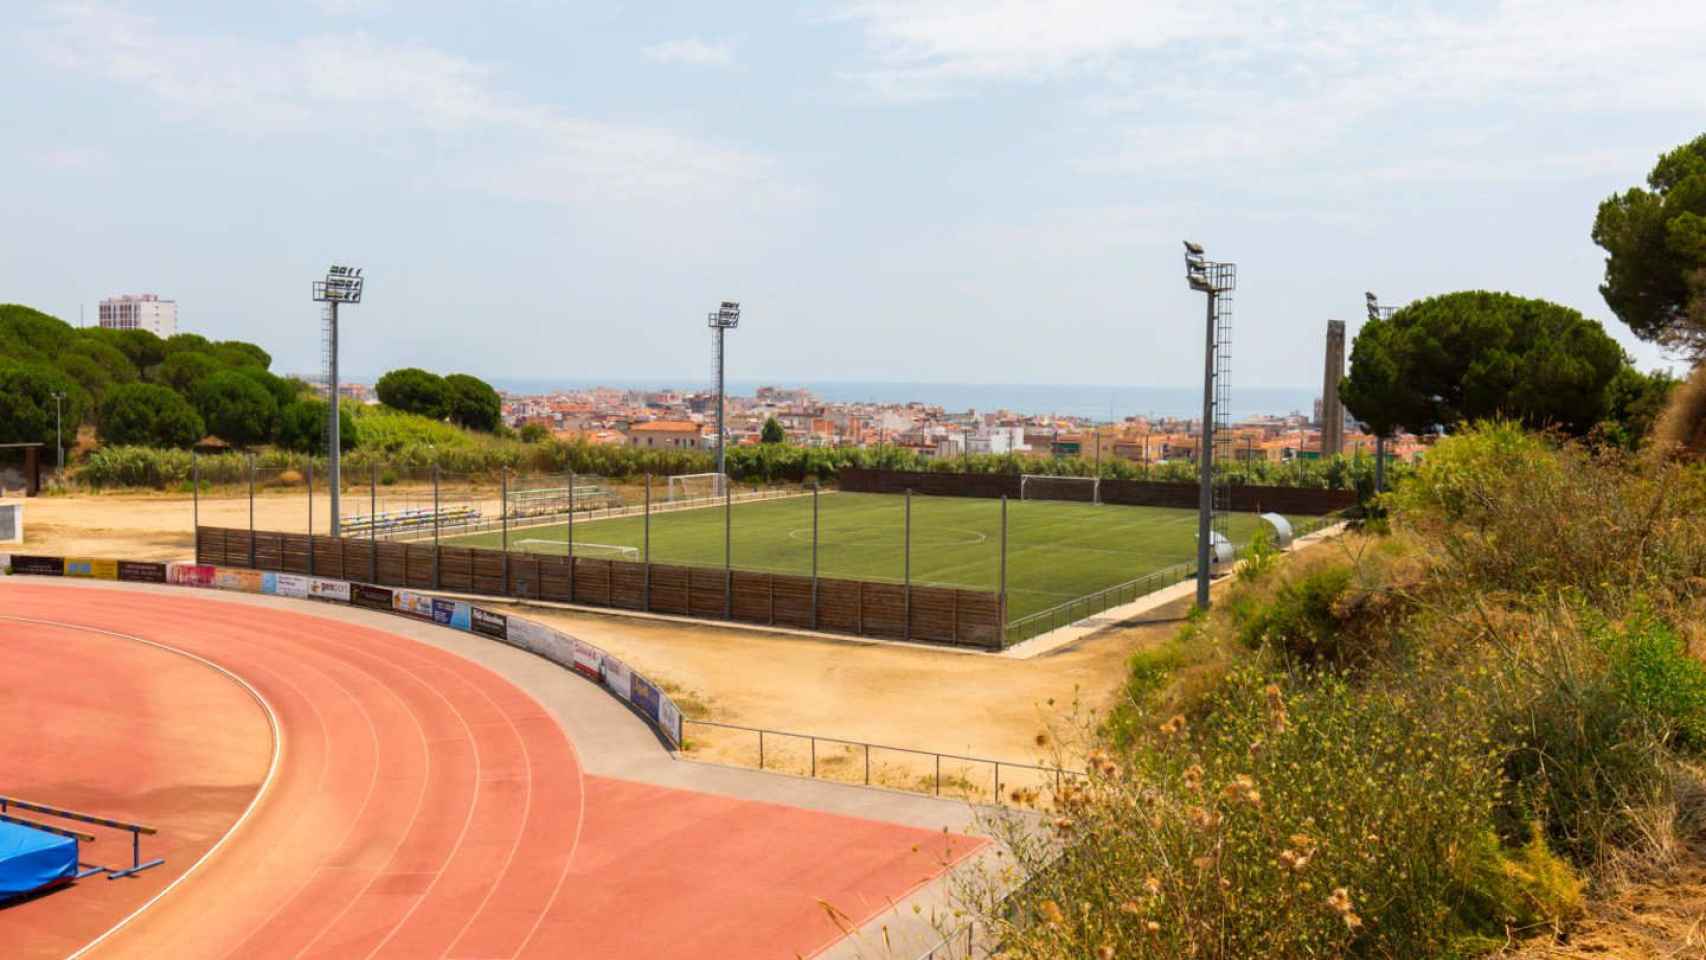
{"type": "Point", "coordinates": [424, 806]}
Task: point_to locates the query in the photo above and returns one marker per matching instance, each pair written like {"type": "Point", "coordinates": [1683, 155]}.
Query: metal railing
{"type": "Point", "coordinates": [934, 778]}
{"type": "Point", "coordinates": [1074, 610]}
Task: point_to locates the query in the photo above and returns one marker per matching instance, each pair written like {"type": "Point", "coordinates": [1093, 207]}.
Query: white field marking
{"type": "Point", "coordinates": [804, 535]}
{"type": "Point", "coordinates": [266, 784]}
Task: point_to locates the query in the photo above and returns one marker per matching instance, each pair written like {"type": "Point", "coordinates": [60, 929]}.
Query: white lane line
{"type": "Point", "coordinates": [266, 784]}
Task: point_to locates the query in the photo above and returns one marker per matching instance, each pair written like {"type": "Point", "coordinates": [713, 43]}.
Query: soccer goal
{"type": "Point", "coordinates": [1081, 489]}
{"type": "Point", "coordinates": [696, 486]}
{"type": "Point", "coordinates": [606, 551]}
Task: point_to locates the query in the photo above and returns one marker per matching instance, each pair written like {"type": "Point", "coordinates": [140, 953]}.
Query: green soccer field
{"type": "Point", "coordinates": [1056, 551]}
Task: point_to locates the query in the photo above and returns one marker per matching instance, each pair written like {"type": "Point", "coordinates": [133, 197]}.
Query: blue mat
{"type": "Point", "coordinates": [31, 859]}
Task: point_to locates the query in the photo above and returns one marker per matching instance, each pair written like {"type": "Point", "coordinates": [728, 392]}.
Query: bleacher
{"type": "Point", "coordinates": [409, 521]}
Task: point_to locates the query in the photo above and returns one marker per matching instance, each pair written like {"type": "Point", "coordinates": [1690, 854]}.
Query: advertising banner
{"type": "Point", "coordinates": [141, 572]}
{"type": "Point", "coordinates": [486, 623]}
{"type": "Point", "coordinates": [243, 581]}
{"type": "Point", "coordinates": [363, 595]}
{"type": "Point", "coordinates": [616, 676]}
{"type": "Point", "coordinates": [669, 718]}
{"type": "Point", "coordinates": [412, 603]}
{"type": "Point", "coordinates": [643, 695]}
{"type": "Point", "coordinates": [191, 574]}
{"type": "Point", "coordinates": [451, 613]}
{"type": "Point", "coordinates": [38, 566]}
{"type": "Point", "coordinates": [336, 591]}
{"type": "Point", "coordinates": [285, 584]}
{"type": "Point", "coordinates": [91, 568]}
{"type": "Point", "coordinates": [588, 658]}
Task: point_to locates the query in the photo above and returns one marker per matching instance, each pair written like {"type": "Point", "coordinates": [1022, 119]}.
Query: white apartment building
{"type": "Point", "coordinates": [144, 311]}
{"type": "Point", "coordinates": [997, 440]}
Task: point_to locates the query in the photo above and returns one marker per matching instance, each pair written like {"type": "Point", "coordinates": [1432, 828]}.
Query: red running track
{"type": "Point", "coordinates": [421, 806]}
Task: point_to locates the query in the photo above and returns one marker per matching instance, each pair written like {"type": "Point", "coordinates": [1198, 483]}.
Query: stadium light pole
{"type": "Point", "coordinates": [1378, 312]}
{"type": "Point", "coordinates": [342, 285]}
{"type": "Point", "coordinates": [1211, 278]}
{"type": "Point", "coordinates": [725, 318]}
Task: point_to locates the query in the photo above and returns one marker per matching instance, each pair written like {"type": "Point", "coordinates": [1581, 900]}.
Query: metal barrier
{"type": "Point", "coordinates": [996, 766]}
{"type": "Point", "coordinates": [1072, 611]}
{"type": "Point", "coordinates": [136, 832]}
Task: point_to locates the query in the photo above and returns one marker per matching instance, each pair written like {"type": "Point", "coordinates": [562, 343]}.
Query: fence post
{"type": "Point", "coordinates": [251, 511]}
{"type": "Point", "coordinates": [814, 553]}
{"type": "Point", "coordinates": [503, 518]}
{"type": "Point", "coordinates": [571, 536]}
{"type": "Point", "coordinates": [435, 578]}
{"type": "Point", "coordinates": [310, 517]}
{"type": "Point", "coordinates": [1001, 593]}
{"type": "Point", "coordinates": [646, 545]}
{"type": "Point", "coordinates": [373, 522]}
{"type": "Point", "coordinates": [728, 551]}
{"type": "Point", "coordinates": [195, 498]}
{"type": "Point", "coordinates": [906, 551]}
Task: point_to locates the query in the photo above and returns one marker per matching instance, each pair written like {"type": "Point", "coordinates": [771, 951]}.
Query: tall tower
{"type": "Point", "coordinates": [1332, 411]}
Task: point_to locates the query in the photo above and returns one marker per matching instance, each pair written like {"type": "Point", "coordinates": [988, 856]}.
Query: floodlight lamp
{"type": "Point", "coordinates": [342, 285]}
{"type": "Point", "coordinates": [1193, 248]}
{"type": "Point", "coordinates": [726, 316]}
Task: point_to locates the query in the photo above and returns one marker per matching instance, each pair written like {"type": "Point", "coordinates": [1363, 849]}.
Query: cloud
{"type": "Point", "coordinates": [1239, 82]}
{"type": "Point", "coordinates": [356, 84]}
{"type": "Point", "coordinates": [692, 52]}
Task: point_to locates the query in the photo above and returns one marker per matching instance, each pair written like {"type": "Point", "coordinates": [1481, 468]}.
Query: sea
{"type": "Point", "coordinates": [1089, 401]}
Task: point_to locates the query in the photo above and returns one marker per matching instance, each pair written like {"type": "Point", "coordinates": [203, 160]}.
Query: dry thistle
{"type": "Point", "coordinates": [1051, 913]}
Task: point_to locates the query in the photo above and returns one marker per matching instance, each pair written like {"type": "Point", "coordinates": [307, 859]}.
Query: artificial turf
{"type": "Point", "coordinates": [1056, 551]}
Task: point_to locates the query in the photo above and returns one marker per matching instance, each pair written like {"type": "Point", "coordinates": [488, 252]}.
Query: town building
{"type": "Point", "coordinates": [144, 311]}
{"type": "Point", "coordinates": [672, 434]}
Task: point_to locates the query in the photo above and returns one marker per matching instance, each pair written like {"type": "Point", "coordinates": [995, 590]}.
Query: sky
{"type": "Point", "coordinates": [978, 191]}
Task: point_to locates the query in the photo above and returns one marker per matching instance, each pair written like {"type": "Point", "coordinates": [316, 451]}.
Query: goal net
{"type": "Point", "coordinates": [605, 551]}
{"type": "Point", "coordinates": [1080, 489]}
{"type": "Point", "coordinates": [697, 486]}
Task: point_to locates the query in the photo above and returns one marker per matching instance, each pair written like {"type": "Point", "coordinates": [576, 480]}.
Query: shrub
{"type": "Point", "coordinates": [1654, 675]}
{"type": "Point", "coordinates": [1301, 623]}
{"type": "Point", "coordinates": [1320, 820]}
{"type": "Point", "coordinates": [302, 426]}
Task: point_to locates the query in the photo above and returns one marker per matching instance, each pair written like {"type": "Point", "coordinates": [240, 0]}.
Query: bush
{"type": "Point", "coordinates": [149, 415]}
{"type": "Point", "coordinates": [534, 433]}
{"type": "Point", "coordinates": [1320, 820]}
{"type": "Point", "coordinates": [1653, 674]}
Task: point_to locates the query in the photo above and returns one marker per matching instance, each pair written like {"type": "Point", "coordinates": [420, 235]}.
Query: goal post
{"type": "Point", "coordinates": [1034, 486]}
{"type": "Point", "coordinates": [696, 486]}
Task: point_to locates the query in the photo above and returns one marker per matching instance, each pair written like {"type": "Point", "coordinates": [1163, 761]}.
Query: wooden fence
{"type": "Point", "coordinates": [863, 608]}
{"type": "Point", "coordinates": [1246, 498]}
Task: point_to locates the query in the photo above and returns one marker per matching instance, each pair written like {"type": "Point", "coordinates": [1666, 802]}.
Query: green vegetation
{"type": "Point", "coordinates": [1056, 551]}
{"type": "Point", "coordinates": [112, 379]}
{"type": "Point", "coordinates": [772, 432]}
{"type": "Point", "coordinates": [464, 400]}
{"type": "Point", "coordinates": [1413, 743]}
{"type": "Point", "coordinates": [149, 415]}
{"type": "Point", "coordinates": [1460, 357]}
{"type": "Point", "coordinates": [1655, 244]}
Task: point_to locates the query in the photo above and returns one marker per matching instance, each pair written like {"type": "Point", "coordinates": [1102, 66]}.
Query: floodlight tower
{"type": "Point", "coordinates": [1217, 281]}
{"type": "Point", "coordinates": [1378, 312]}
{"type": "Point", "coordinates": [725, 318]}
{"type": "Point", "coordinates": [342, 285]}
